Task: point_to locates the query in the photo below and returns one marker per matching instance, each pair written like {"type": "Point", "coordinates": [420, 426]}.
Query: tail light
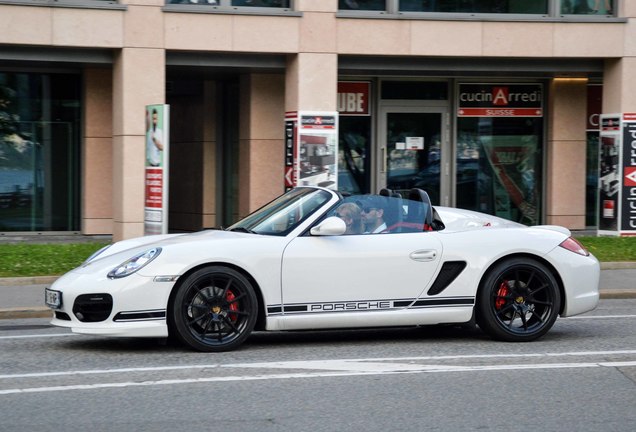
{"type": "Point", "coordinates": [573, 245]}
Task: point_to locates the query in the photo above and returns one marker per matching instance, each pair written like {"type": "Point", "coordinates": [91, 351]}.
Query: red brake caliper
{"type": "Point", "coordinates": [229, 296]}
{"type": "Point", "coordinates": [500, 301]}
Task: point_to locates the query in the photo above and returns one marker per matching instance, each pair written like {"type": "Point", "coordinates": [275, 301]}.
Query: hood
{"type": "Point", "coordinates": [126, 248]}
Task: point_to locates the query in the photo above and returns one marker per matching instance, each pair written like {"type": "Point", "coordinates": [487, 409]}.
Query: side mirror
{"type": "Point", "coordinates": [332, 226]}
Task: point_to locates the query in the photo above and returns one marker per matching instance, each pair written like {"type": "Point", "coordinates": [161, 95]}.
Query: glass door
{"type": "Point", "coordinates": [413, 151]}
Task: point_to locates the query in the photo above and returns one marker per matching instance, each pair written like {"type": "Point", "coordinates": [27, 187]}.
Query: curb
{"type": "Point", "coordinates": [26, 312]}
{"type": "Point", "coordinates": [28, 280]}
{"type": "Point", "coordinates": [618, 265]}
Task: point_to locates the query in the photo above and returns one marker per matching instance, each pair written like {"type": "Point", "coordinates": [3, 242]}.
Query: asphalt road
{"type": "Point", "coordinates": [581, 376]}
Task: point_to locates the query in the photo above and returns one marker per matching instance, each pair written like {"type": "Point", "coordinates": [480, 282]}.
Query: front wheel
{"type": "Point", "coordinates": [519, 301]}
{"type": "Point", "coordinates": [214, 309]}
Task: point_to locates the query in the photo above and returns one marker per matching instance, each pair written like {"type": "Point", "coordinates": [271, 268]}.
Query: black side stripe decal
{"type": "Point", "coordinates": [369, 305]}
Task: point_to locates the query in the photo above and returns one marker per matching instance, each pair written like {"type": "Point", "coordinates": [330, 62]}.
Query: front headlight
{"type": "Point", "coordinates": [135, 263]}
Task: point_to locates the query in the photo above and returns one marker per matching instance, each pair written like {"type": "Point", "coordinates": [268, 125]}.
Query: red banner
{"type": "Point", "coordinates": [499, 112]}
{"type": "Point", "coordinates": [353, 98]}
{"type": "Point", "coordinates": [154, 187]}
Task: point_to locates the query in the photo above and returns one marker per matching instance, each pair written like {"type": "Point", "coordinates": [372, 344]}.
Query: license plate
{"type": "Point", "coordinates": [52, 298]}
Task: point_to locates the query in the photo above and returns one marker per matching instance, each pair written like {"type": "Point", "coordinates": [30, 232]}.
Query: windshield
{"type": "Point", "coordinates": [285, 213]}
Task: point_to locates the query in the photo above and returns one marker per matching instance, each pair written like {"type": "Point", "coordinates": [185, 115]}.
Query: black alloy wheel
{"type": "Point", "coordinates": [214, 309]}
{"type": "Point", "coordinates": [518, 301]}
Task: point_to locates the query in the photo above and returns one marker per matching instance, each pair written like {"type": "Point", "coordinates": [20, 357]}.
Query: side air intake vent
{"type": "Point", "coordinates": [450, 270]}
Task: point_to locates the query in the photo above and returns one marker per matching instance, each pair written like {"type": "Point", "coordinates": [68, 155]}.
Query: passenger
{"type": "Point", "coordinates": [373, 215]}
{"type": "Point", "coordinates": [350, 213]}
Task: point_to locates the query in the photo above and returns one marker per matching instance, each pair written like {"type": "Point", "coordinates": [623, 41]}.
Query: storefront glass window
{"type": "Point", "coordinates": [594, 109]}
{"type": "Point", "coordinates": [499, 166]}
{"type": "Point", "coordinates": [39, 152]}
{"type": "Point", "coordinates": [587, 7]}
{"type": "Point", "coordinates": [476, 6]}
{"type": "Point", "coordinates": [353, 154]}
{"type": "Point", "coordinates": [591, 179]}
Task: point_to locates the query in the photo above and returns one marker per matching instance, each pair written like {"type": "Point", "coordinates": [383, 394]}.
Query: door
{"type": "Point", "coordinates": [413, 151]}
{"type": "Point", "coordinates": [358, 272]}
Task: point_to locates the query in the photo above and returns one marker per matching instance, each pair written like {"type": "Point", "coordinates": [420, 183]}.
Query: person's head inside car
{"type": "Point", "coordinates": [373, 214]}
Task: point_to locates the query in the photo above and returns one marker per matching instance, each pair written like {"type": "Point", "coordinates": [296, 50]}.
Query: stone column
{"type": "Point", "coordinates": [261, 140]}
{"type": "Point", "coordinates": [566, 153]}
{"type": "Point", "coordinates": [97, 155]}
{"type": "Point", "coordinates": [138, 80]}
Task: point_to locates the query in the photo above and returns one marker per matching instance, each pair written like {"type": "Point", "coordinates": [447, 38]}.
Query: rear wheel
{"type": "Point", "coordinates": [519, 301]}
{"type": "Point", "coordinates": [214, 309]}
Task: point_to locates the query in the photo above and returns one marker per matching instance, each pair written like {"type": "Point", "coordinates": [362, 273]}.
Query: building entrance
{"type": "Point", "coordinates": [413, 150]}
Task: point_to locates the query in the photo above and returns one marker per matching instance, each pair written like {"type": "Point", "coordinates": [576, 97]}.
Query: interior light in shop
{"type": "Point", "coordinates": [570, 80]}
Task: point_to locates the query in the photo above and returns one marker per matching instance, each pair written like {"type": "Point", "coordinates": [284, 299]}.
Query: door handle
{"type": "Point", "coordinates": [423, 255]}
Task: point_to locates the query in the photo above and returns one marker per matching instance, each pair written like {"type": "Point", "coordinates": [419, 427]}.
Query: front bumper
{"type": "Point", "coordinates": [134, 306]}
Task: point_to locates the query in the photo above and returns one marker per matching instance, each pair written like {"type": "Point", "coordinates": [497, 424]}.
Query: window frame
{"type": "Point", "coordinates": [552, 14]}
{"type": "Point", "coordinates": [225, 7]}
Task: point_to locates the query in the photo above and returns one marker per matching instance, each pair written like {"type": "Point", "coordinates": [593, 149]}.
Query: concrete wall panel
{"type": "Point", "coordinates": [318, 33]}
{"type": "Point", "coordinates": [88, 28]}
{"type": "Point", "coordinates": [205, 32]}
{"type": "Point", "coordinates": [266, 34]}
{"type": "Point", "coordinates": [25, 25]}
{"type": "Point", "coordinates": [442, 38]}
{"type": "Point", "coordinates": [517, 39]}
{"type": "Point", "coordinates": [389, 37]}
{"type": "Point", "coordinates": [588, 40]}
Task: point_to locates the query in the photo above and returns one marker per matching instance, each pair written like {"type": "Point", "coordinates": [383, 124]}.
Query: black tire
{"type": "Point", "coordinates": [518, 301]}
{"type": "Point", "coordinates": [214, 309]}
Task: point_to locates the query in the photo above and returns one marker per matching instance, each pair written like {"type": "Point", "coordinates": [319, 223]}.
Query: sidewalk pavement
{"type": "Point", "coordinates": [24, 297]}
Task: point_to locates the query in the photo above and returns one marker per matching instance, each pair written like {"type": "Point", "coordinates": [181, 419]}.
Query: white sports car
{"type": "Point", "coordinates": [314, 259]}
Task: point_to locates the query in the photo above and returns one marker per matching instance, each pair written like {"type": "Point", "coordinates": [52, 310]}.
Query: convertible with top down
{"type": "Point", "coordinates": [294, 264]}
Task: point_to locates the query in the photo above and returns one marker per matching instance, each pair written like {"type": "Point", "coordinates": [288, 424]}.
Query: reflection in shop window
{"type": "Point", "coordinates": [39, 152]}
{"type": "Point", "coordinates": [587, 7]}
{"type": "Point", "coordinates": [239, 3]}
{"type": "Point", "coordinates": [353, 150]}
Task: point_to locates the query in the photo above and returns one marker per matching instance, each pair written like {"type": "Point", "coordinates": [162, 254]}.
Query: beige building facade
{"type": "Point", "coordinates": [230, 73]}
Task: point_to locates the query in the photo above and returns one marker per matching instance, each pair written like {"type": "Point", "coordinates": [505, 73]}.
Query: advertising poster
{"type": "Point", "coordinates": [157, 119]}
{"type": "Point", "coordinates": [609, 173]}
{"type": "Point", "coordinates": [628, 201]}
{"type": "Point", "coordinates": [514, 163]}
{"type": "Point", "coordinates": [291, 126]}
{"type": "Point", "coordinates": [312, 159]}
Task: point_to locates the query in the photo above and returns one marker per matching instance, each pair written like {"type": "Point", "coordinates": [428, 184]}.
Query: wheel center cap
{"type": "Point", "coordinates": [519, 300]}
{"type": "Point", "coordinates": [216, 309]}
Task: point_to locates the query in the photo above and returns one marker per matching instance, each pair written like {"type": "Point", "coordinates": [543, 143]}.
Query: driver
{"type": "Point", "coordinates": [373, 215]}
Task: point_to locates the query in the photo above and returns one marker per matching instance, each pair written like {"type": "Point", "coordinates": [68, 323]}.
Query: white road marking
{"type": "Point", "coordinates": [422, 369]}
{"type": "Point", "coordinates": [318, 364]}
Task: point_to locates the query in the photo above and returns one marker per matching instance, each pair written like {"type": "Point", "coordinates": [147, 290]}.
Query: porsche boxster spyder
{"type": "Point", "coordinates": [316, 259]}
